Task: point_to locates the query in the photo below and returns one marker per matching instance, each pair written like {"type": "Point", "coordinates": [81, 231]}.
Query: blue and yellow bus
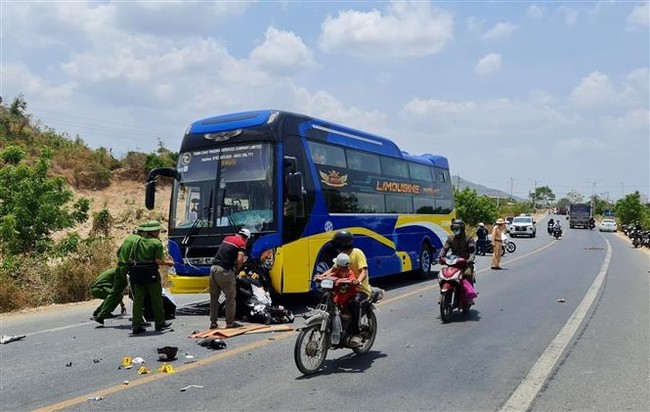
{"type": "Point", "coordinates": [293, 180]}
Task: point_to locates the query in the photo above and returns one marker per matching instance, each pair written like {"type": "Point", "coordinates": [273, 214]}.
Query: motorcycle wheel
{"type": "Point", "coordinates": [445, 306]}
{"type": "Point", "coordinates": [511, 247]}
{"type": "Point", "coordinates": [308, 353]}
{"type": "Point", "coordinates": [368, 333]}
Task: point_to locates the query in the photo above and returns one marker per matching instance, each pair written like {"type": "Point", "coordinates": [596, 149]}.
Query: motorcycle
{"type": "Point", "coordinates": [557, 232]}
{"type": "Point", "coordinates": [637, 237]}
{"type": "Point", "coordinates": [507, 245]}
{"type": "Point", "coordinates": [549, 228]}
{"type": "Point", "coordinates": [328, 327]}
{"type": "Point", "coordinates": [456, 292]}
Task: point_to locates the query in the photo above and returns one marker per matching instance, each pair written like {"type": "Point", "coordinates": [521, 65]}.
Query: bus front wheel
{"type": "Point", "coordinates": [426, 258]}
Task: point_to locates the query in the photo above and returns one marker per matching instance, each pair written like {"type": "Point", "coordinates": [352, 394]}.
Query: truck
{"type": "Point", "coordinates": [579, 214]}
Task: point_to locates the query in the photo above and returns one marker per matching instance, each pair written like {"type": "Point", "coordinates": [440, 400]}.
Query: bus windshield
{"type": "Point", "coordinates": [225, 188]}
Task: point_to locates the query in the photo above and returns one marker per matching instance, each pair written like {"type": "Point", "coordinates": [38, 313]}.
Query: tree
{"type": "Point", "coordinates": [575, 197]}
{"type": "Point", "coordinates": [630, 209]}
{"type": "Point", "coordinates": [33, 205]}
{"type": "Point", "coordinates": [545, 194]}
{"type": "Point", "coordinates": [473, 208]}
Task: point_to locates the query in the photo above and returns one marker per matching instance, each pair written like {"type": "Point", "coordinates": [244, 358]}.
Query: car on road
{"type": "Point", "coordinates": [608, 225]}
{"type": "Point", "coordinates": [523, 225]}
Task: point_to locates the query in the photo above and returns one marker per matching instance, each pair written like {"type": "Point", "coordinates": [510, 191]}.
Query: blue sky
{"type": "Point", "coordinates": [515, 94]}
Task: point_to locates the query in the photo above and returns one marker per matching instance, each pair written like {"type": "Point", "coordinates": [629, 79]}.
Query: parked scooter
{"type": "Point", "coordinates": [507, 245]}
{"type": "Point", "coordinates": [456, 292]}
{"type": "Point", "coordinates": [329, 325]}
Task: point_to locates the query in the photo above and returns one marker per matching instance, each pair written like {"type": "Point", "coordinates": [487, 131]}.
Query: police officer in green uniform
{"type": "Point", "coordinates": [101, 288]}
{"type": "Point", "coordinates": [149, 249]}
{"type": "Point", "coordinates": [119, 281]}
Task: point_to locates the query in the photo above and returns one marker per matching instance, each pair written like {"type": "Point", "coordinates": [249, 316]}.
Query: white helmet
{"type": "Point", "coordinates": [245, 232]}
{"type": "Point", "coordinates": [481, 224]}
{"type": "Point", "coordinates": [342, 260]}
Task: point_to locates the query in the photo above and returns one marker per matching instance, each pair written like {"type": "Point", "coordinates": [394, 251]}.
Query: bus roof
{"type": "Point", "coordinates": [310, 126]}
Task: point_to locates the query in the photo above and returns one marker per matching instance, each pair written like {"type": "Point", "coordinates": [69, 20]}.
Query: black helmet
{"type": "Point", "coordinates": [457, 225]}
{"type": "Point", "coordinates": [343, 239]}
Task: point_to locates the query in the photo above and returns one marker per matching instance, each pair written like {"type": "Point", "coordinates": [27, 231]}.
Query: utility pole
{"type": "Point", "coordinates": [511, 185]}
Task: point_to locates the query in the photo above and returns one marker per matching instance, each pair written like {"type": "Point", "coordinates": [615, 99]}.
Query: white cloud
{"type": "Point", "coordinates": [640, 15]}
{"type": "Point", "coordinates": [570, 15]}
{"type": "Point", "coordinates": [535, 12]}
{"type": "Point", "coordinates": [622, 129]}
{"type": "Point", "coordinates": [488, 64]}
{"type": "Point", "coordinates": [322, 104]}
{"type": "Point", "coordinates": [501, 29]}
{"type": "Point", "coordinates": [593, 90]}
{"type": "Point", "coordinates": [406, 29]}
{"type": "Point", "coordinates": [282, 51]}
{"type": "Point", "coordinates": [475, 25]}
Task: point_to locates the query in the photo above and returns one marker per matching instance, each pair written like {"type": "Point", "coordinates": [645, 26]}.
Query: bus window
{"type": "Point", "coordinates": [323, 154]}
{"type": "Point", "coordinates": [398, 204]}
{"type": "Point", "coordinates": [420, 172]}
{"type": "Point", "coordinates": [424, 204]}
{"type": "Point", "coordinates": [394, 167]}
{"type": "Point", "coordinates": [337, 202]}
{"type": "Point", "coordinates": [367, 203]}
{"type": "Point", "coordinates": [363, 161]}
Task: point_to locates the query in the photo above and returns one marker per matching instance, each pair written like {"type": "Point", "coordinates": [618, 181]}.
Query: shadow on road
{"type": "Point", "coordinates": [350, 363]}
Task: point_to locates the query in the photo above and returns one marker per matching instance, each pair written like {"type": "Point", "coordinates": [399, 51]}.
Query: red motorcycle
{"type": "Point", "coordinates": [456, 292]}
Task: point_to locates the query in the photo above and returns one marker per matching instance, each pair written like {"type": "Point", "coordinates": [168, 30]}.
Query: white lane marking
{"type": "Point", "coordinates": [76, 325]}
{"type": "Point", "coordinates": [523, 397]}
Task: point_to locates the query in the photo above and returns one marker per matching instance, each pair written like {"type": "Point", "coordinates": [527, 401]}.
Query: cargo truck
{"type": "Point", "coordinates": [579, 214]}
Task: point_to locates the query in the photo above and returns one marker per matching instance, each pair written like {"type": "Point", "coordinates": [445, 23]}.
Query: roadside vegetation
{"type": "Point", "coordinates": [45, 260]}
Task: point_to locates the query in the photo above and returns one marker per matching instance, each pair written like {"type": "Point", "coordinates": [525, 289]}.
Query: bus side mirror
{"type": "Point", "coordinates": [294, 187]}
{"type": "Point", "coordinates": [150, 191]}
{"type": "Point", "coordinates": [150, 194]}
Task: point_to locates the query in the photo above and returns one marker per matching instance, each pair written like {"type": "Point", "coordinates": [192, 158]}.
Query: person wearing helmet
{"type": "Point", "coordinates": [230, 257]}
{"type": "Point", "coordinates": [481, 239]}
{"type": "Point", "coordinates": [345, 297]}
{"type": "Point", "coordinates": [343, 240]}
{"type": "Point", "coordinates": [461, 245]}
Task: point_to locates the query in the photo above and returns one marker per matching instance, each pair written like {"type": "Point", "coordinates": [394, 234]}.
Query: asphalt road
{"type": "Point", "coordinates": [564, 327]}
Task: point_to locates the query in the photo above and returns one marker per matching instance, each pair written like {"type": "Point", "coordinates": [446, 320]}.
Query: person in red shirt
{"type": "Point", "coordinates": [229, 259]}
{"type": "Point", "coordinates": [346, 292]}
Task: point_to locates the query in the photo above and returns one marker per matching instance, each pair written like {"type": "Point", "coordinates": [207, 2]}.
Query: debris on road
{"type": "Point", "coordinates": [9, 339]}
{"type": "Point", "coordinates": [125, 382]}
{"type": "Point", "coordinates": [96, 398]}
{"type": "Point", "coordinates": [561, 300]}
{"type": "Point", "coordinates": [68, 365]}
{"type": "Point", "coordinates": [137, 361]}
{"type": "Point", "coordinates": [167, 353]}
{"type": "Point", "coordinates": [183, 389]}
{"type": "Point", "coordinates": [213, 343]}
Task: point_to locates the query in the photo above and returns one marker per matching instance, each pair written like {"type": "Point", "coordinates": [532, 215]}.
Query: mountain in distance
{"type": "Point", "coordinates": [461, 184]}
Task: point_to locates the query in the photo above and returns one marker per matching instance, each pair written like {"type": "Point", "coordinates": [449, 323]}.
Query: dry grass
{"type": "Point", "coordinates": [32, 281]}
